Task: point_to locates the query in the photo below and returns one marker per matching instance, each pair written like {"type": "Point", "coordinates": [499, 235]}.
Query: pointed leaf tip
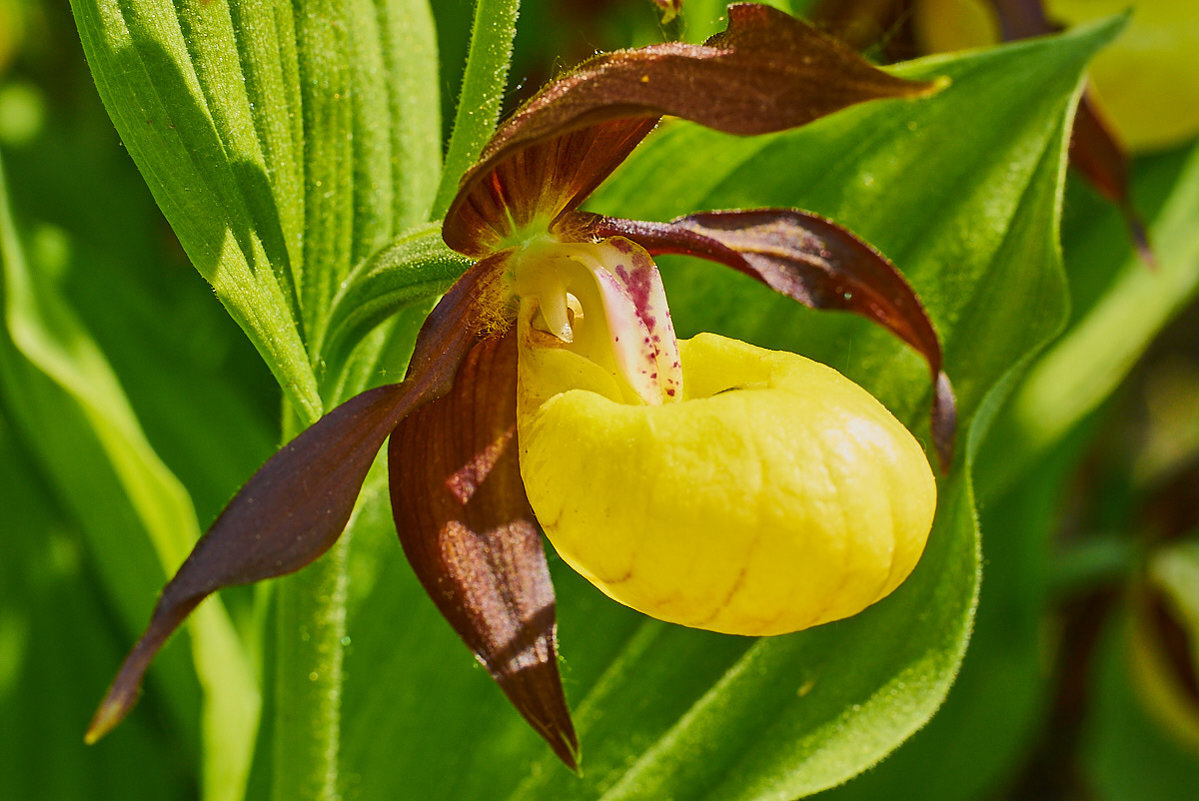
{"type": "Point", "coordinates": [470, 536]}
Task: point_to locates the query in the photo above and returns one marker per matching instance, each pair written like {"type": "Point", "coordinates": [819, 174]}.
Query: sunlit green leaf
{"type": "Point", "coordinates": [186, 120]}
{"type": "Point", "coordinates": [483, 83]}
{"type": "Point", "coordinates": [282, 144]}
{"type": "Point", "coordinates": [990, 715]}
{"type": "Point", "coordinates": [989, 719]}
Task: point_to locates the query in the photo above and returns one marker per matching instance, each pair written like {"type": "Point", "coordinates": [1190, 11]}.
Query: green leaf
{"type": "Point", "coordinates": [197, 386]}
{"type": "Point", "coordinates": [962, 191]}
{"type": "Point", "coordinates": [1123, 305]}
{"type": "Point", "coordinates": [76, 418]}
{"type": "Point", "coordinates": [990, 716]}
{"type": "Point", "coordinates": [186, 121]}
{"type": "Point", "coordinates": [283, 145]}
{"type": "Point", "coordinates": [369, 99]}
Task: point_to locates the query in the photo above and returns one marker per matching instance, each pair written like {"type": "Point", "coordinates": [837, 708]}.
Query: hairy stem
{"type": "Point", "coordinates": [311, 625]}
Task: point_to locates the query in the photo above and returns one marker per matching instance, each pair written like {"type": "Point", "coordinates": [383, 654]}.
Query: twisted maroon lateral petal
{"type": "Point", "coordinates": [766, 72]}
{"type": "Point", "coordinates": [816, 262]}
{"type": "Point", "coordinates": [470, 536]}
{"type": "Point", "coordinates": [297, 504]}
{"type": "Point", "coordinates": [288, 514]}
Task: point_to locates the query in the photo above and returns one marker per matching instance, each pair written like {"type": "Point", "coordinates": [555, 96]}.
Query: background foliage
{"type": "Point", "coordinates": [132, 406]}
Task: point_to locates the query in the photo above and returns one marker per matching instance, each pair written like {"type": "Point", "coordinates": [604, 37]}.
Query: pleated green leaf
{"type": "Point", "coordinates": [283, 143]}
{"type": "Point", "coordinates": [994, 707]}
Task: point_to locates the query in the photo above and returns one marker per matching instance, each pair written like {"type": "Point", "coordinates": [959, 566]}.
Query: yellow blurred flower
{"type": "Point", "coordinates": [1146, 82]}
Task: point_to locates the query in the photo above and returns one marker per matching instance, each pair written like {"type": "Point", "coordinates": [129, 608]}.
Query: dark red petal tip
{"type": "Point", "coordinates": [766, 72]}
{"type": "Point", "coordinates": [471, 538]}
{"type": "Point", "coordinates": [816, 262]}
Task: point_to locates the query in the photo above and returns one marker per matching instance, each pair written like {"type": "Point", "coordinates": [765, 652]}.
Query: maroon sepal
{"type": "Point", "coordinates": [766, 72]}
{"type": "Point", "coordinates": [298, 503]}
{"type": "Point", "coordinates": [816, 262]}
{"type": "Point", "coordinates": [471, 538]}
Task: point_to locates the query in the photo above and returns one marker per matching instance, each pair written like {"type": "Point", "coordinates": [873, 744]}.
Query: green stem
{"type": "Point", "coordinates": [483, 84]}
{"type": "Point", "coordinates": [311, 626]}
{"type": "Point", "coordinates": [311, 605]}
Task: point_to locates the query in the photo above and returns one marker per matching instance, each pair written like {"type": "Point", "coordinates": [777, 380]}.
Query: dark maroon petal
{"type": "Point", "coordinates": [297, 504]}
{"type": "Point", "coordinates": [1095, 153]}
{"type": "Point", "coordinates": [816, 262]}
{"type": "Point", "coordinates": [470, 536]}
{"type": "Point", "coordinates": [536, 179]}
{"type": "Point", "coordinates": [767, 72]}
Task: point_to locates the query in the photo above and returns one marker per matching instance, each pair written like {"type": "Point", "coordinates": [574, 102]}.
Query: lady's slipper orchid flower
{"type": "Point", "coordinates": [707, 482]}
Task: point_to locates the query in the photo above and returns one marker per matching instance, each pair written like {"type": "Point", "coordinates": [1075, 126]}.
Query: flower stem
{"type": "Point", "coordinates": [483, 85]}
{"type": "Point", "coordinates": [311, 625]}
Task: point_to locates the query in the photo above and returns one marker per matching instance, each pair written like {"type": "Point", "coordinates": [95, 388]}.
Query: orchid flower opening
{"type": "Point", "coordinates": [705, 482]}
